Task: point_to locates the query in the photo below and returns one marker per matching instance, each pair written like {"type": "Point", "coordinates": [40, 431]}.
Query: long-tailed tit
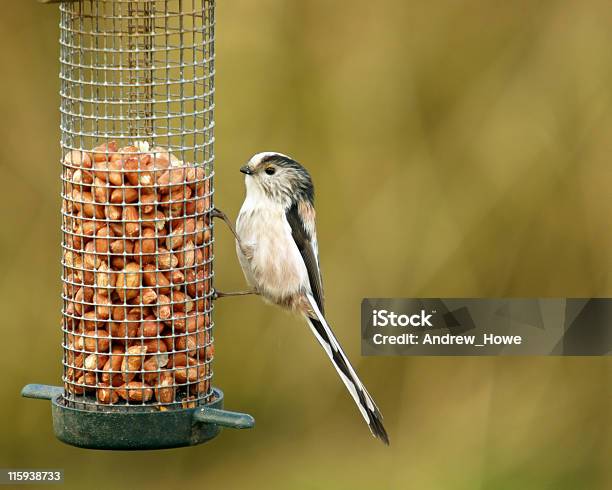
{"type": "Point", "coordinates": [277, 248]}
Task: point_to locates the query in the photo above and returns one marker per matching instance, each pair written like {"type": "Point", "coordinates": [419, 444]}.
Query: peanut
{"type": "Point", "coordinates": [174, 201]}
{"type": "Point", "coordinates": [154, 219]}
{"type": "Point", "coordinates": [151, 327]}
{"type": "Point", "coordinates": [177, 360]}
{"type": "Point", "coordinates": [189, 402]}
{"type": "Point", "coordinates": [201, 388]}
{"type": "Point", "coordinates": [146, 244]}
{"type": "Point", "coordinates": [209, 352]}
{"type": "Point", "coordinates": [128, 281]}
{"type": "Point", "coordinates": [83, 298]}
{"type": "Point", "coordinates": [165, 393]}
{"type": "Point", "coordinates": [155, 279]}
{"type": "Point", "coordinates": [117, 227]}
{"type": "Point", "coordinates": [202, 201]}
{"type": "Point", "coordinates": [73, 388]}
{"type": "Point", "coordinates": [90, 227]}
{"type": "Point", "coordinates": [96, 341]}
{"type": "Point", "coordinates": [103, 239]}
{"type": "Point", "coordinates": [203, 234]}
{"type": "Point", "coordinates": [124, 152]}
{"type": "Point", "coordinates": [111, 371]}
{"type": "Point", "coordinates": [197, 283]}
{"type": "Point", "coordinates": [186, 257]}
{"type": "Point", "coordinates": [102, 153]}
{"type": "Point", "coordinates": [130, 218]}
{"type": "Point", "coordinates": [147, 201]}
{"type": "Point", "coordinates": [104, 279]}
{"type": "Point", "coordinates": [135, 391]}
{"type": "Point", "coordinates": [172, 178]}
{"type": "Point", "coordinates": [201, 255]}
{"type": "Point", "coordinates": [152, 376]}
{"type": "Point", "coordinates": [121, 245]}
{"type": "Point", "coordinates": [102, 305]}
{"type": "Point", "coordinates": [182, 232]}
{"type": "Point", "coordinates": [187, 343]}
{"type": "Point", "coordinates": [73, 260]}
{"type": "Point", "coordinates": [124, 195]}
{"type": "Point", "coordinates": [175, 277]}
{"type": "Point", "coordinates": [100, 191]}
{"type": "Point", "coordinates": [138, 171]}
{"type": "Point", "coordinates": [91, 322]}
{"type": "Point", "coordinates": [88, 207]}
{"type": "Point", "coordinates": [82, 179]}
{"type": "Point", "coordinates": [119, 313]}
{"type": "Point", "coordinates": [124, 329]}
{"type": "Point", "coordinates": [164, 309]}
{"type": "Point", "coordinates": [114, 213]}
{"type": "Point", "coordinates": [106, 395]}
{"type": "Point", "coordinates": [166, 259]}
{"type": "Point", "coordinates": [118, 263]}
{"type": "Point", "coordinates": [195, 322]}
{"type": "Point", "coordinates": [192, 372]}
{"type": "Point", "coordinates": [75, 371]}
{"type": "Point", "coordinates": [148, 296]}
{"type": "Point", "coordinates": [156, 346]}
{"type": "Point", "coordinates": [160, 158]}
{"type": "Point", "coordinates": [94, 361]}
{"type": "Point", "coordinates": [182, 302]}
{"type": "Point", "coordinates": [132, 362]}
{"type": "Point", "coordinates": [76, 158]}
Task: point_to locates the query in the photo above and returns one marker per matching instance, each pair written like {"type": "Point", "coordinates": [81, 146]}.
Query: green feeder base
{"type": "Point", "coordinates": [137, 430]}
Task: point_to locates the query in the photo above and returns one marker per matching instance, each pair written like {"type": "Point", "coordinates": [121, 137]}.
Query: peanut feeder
{"type": "Point", "coordinates": [137, 87]}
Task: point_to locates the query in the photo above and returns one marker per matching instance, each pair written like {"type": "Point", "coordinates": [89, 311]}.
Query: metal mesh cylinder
{"type": "Point", "coordinates": [137, 165]}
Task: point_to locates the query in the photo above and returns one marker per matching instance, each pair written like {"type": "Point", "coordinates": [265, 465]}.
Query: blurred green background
{"type": "Point", "coordinates": [459, 148]}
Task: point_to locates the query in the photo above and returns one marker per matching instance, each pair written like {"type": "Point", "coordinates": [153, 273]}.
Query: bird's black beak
{"type": "Point", "coordinates": [246, 170]}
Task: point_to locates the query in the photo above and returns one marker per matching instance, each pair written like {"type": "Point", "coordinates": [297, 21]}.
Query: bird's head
{"type": "Point", "coordinates": [277, 177]}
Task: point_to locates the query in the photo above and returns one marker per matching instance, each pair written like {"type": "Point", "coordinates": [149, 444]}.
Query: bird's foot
{"type": "Point", "coordinates": [219, 294]}
{"type": "Point", "coordinates": [217, 213]}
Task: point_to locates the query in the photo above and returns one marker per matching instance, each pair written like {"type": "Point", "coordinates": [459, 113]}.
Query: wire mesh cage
{"type": "Point", "coordinates": [137, 135]}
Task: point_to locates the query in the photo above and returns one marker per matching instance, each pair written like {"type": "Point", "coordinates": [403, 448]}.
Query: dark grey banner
{"type": "Point", "coordinates": [486, 327]}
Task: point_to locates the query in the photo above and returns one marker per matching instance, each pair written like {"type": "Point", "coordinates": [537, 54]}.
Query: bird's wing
{"type": "Point", "coordinates": [301, 218]}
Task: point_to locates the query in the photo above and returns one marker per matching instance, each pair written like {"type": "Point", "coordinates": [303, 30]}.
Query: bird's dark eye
{"type": "Point", "coordinates": [270, 170]}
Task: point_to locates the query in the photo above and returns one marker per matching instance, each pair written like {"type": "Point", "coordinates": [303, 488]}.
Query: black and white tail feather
{"type": "Point", "coordinates": [330, 344]}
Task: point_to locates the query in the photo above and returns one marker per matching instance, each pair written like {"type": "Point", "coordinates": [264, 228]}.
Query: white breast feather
{"type": "Point", "coordinates": [273, 265]}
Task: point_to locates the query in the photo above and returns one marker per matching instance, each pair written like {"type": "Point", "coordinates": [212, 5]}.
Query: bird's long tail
{"type": "Point", "coordinates": [330, 344]}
